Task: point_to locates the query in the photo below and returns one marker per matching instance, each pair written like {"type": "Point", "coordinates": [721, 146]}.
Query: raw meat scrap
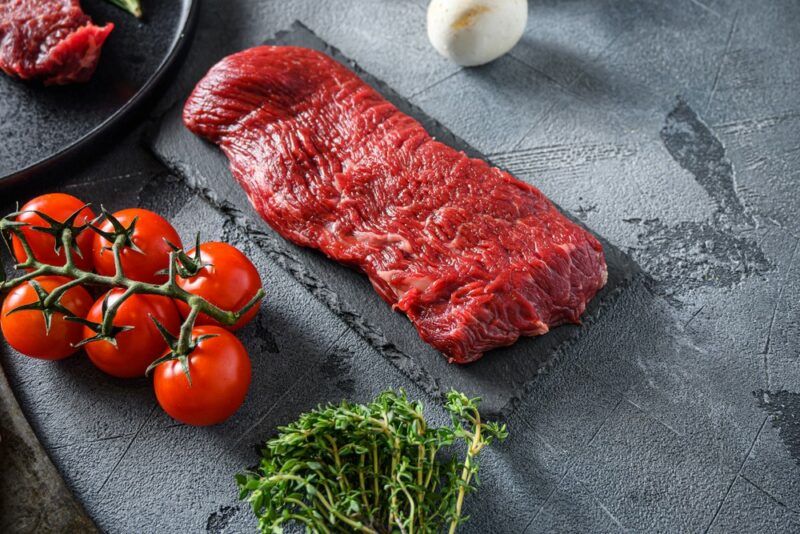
{"type": "Point", "coordinates": [51, 40]}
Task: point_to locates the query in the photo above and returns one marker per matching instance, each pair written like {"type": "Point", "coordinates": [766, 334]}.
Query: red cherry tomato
{"type": "Point", "coordinates": [58, 206]}
{"type": "Point", "coordinates": [150, 235]}
{"type": "Point", "coordinates": [25, 330]}
{"type": "Point", "coordinates": [229, 282]}
{"type": "Point", "coordinates": [220, 371]}
{"type": "Point", "coordinates": [136, 348]}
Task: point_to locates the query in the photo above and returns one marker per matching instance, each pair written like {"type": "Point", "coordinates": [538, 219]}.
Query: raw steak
{"type": "Point", "coordinates": [51, 40]}
{"type": "Point", "coordinates": [473, 256]}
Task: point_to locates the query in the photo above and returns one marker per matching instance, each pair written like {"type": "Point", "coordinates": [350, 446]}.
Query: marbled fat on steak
{"type": "Point", "coordinates": [50, 40]}
{"type": "Point", "coordinates": [473, 256]}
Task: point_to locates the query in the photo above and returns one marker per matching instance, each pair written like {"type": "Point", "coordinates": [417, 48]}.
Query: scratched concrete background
{"type": "Point", "coordinates": [670, 128]}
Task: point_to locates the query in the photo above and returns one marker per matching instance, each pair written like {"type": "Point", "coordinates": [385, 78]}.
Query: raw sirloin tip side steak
{"type": "Point", "coordinates": [50, 40]}
{"type": "Point", "coordinates": [473, 256]}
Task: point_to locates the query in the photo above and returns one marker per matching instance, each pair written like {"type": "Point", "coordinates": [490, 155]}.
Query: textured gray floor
{"type": "Point", "coordinates": [670, 128]}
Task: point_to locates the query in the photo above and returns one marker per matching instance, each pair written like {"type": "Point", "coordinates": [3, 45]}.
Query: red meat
{"type": "Point", "coordinates": [51, 40]}
{"type": "Point", "coordinates": [473, 256]}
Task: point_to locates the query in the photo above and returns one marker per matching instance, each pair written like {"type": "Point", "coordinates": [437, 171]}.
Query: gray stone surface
{"type": "Point", "coordinates": [670, 128]}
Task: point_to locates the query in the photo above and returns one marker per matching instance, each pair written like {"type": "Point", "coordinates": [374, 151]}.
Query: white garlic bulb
{"type": "Point", "coordinates": [474, 32]}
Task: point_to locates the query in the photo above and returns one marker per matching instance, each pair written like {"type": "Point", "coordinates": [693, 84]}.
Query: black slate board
{"type": "Point", "coordinates": [499, 377]}
{"type": "Point", "coordinates": [41, 126]}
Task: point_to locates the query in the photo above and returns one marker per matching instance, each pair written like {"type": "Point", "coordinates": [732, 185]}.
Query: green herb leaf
{"type": "Point", "coordinates": [133, 7]}
{"type": "Point", "coordinates": [370, 468]}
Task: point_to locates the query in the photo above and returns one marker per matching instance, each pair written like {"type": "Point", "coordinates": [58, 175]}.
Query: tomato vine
{"type": "Point", "coordinates": [65, 233]}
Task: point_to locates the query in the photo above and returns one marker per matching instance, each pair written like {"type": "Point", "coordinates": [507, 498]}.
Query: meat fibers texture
{"type": "Point", "coordinates": [50, 40]}
{"type": "Point", "coordinates": [474, 257]}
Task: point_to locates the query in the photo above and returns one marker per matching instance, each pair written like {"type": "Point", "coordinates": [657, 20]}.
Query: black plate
{"type": "Point", "coordinates": [41, 126]}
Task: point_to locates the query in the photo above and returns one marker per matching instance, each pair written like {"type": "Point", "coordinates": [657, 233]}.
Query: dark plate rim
{"type": "Point", "coordinates": [185, 31]}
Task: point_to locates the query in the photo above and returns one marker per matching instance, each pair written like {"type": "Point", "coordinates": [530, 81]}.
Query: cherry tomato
{"type": "Point", "coordinates": [220, 371]}
{"type": "Point", "coordinates": [25, 330]}
{"type": "Point", "coordinates": [229, 282]}
{"type": "Point", "coordinates": [136, 348]}
{"type": "Point", "coordinates": [58, 206]}
{"type": "Point", "coordinates": [150, 235]}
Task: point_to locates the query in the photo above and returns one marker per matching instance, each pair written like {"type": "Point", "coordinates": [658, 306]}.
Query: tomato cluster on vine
{"type": "Point", "coordinates": [156, 313]}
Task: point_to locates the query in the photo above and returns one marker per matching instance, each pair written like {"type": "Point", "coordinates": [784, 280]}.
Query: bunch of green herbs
{"type": "Point", "coordinates": [374, 468]}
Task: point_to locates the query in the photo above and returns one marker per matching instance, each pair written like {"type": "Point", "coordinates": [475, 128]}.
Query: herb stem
{"type": "Point", "coordinates": [376, 472]}
{"type": "Point", "coordinates": [343, 483]}
{"type": "Point", "coordinates": [354, 524]}
{"type": "Point", "coordinates": [362, 483]}
{"type": "Point", "coordinates": [466, 472]}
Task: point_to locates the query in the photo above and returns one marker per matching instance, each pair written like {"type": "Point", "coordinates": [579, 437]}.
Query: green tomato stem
{"type": "Point", "coordinates": [185, 338]}
{"type": "Point", "coordinates": [78, 276]}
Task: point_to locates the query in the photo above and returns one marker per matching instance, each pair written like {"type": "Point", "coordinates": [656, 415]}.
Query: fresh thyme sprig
{"type": "Point", "coordinates": [373, 468]}
{"type": "Point", "coordinates": [65, 233]}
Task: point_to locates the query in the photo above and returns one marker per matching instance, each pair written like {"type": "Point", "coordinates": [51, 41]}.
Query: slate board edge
{"type": "Point", "coordinates": [372, 334]}
{"type": "Point", "coordinates": [114, 123]}
{"type": "Point", "coordinates": [27, 472]}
